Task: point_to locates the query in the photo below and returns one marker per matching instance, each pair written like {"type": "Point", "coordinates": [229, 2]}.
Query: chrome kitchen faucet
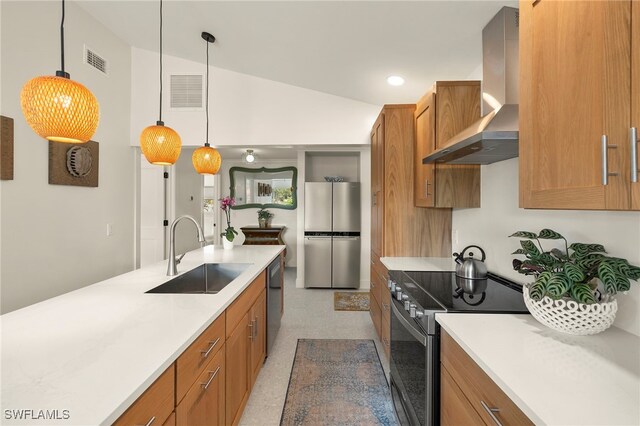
{"type": "Point", "coordinates": [172, 269]}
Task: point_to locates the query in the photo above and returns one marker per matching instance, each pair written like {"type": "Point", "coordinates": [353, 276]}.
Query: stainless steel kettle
{"type": "Point", "coordinates": [469, 267]}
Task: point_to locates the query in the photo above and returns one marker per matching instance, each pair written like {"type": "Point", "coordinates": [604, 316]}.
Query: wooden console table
{"type": "Point", "coordinates": [254, 235]}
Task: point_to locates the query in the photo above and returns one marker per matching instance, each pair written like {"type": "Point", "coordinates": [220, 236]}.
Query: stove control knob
{"type": "Point", "coordinates": [419, 314]}
{"type": "Point", "coordinates": [391, 284]}
{"type": "Point", "coordinates": [412, 310]}
{"type": "Point", "coordinates": [407, 304]}
{"type": "Point", "coordinates": [405, 297]}
{"type": "Point", "coordinates": [398, 293]}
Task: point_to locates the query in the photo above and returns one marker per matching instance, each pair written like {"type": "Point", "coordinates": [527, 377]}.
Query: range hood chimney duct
{"type": "Point", "coordinates": [495, 136]}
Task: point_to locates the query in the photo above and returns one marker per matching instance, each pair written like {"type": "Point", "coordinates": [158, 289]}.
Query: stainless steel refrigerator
{"type": "Point", "coordinates": [332, 234]}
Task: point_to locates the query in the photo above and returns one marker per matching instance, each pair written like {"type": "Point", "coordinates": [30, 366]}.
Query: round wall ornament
{"type": "Point", "coordinates": [79, 161]}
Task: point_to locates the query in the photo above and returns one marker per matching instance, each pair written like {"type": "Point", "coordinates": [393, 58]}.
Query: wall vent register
{"type": "Point", "coordinates": [94, 60]}
{"type": "Point", "coordinates": [186, 90]}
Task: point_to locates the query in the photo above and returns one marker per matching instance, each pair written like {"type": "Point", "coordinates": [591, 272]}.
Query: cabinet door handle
{"type": "Point", "coordinates": [255, 327]}
{"type": "Point", "coordinates": [427, 184]}
{"type": "Point", "coordinates": [633, 136]}
{"type": "Point", "coordinates": [151, 420]}
{"type": "Point", "coordinates": [491, 412]}
{"type": "Point", "coordinates": [206, 352]}
{"type": "Point", "coordinates": [213, 376]}
{"type": "Point", "coordinates": [605, 159]}
{"type": "Point", "coordinates": [251, 331]}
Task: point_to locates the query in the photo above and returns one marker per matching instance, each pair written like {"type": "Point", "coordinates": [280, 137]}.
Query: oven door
{"type": "Point", "coordinates": [412, 365]}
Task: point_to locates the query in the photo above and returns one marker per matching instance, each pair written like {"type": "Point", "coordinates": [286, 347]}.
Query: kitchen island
{"type": "Point", "coordinates": [87, 355]}
{"type": "Point", "coordinates": [553, 378]}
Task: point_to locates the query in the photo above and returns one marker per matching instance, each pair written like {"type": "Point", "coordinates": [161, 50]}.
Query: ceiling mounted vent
{"type": "Point", "coordinates": [186, 91]}
{"type": "Point", "coordinates": [94, 60]}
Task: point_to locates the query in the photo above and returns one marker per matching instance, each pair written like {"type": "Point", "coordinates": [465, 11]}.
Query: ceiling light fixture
{"type": "Point", "coordinates": [58, 108]}
{"type": "Point", "coordinates": [249, 156]}
{"type": "Point", "coordinates": [160, 144]}
{"type": "Point", "coordinates": [206, 160]}
{"type": "Point", "coordinates": [395, 80]}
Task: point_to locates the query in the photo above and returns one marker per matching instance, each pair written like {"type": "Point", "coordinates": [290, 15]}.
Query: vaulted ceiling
{"type": "Point", "coordinates": [346, 48]}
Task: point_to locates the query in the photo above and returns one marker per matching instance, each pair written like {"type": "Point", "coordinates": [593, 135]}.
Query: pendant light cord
{"type": "Point", "coordinates": [207, 100]}
{"type": "Point", "coordinates": [62, 38]}
{"type": "Point", "coordinates": [160, 61]}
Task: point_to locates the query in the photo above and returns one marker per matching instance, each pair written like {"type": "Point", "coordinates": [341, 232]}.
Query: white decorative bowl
{"type": "Point", "coordinates": [571, 317]}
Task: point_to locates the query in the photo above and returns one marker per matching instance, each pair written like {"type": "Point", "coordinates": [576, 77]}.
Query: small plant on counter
{"type": "Point", "coordinates": [225, 204]}
{"type": "Point", "coordinates": [571, 273]}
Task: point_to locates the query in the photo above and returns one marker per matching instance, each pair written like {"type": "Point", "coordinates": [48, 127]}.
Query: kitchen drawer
{"type": "Point", "coordinates": [171, 421]}
{"type": "Point", "coordinates": [455, 408]}
{"type": "Point", "coordinates": [481, 392]}
{"type": "Point", "coordinates": [237, 310]}
{"type": "Point", "coordinates": [379, 267]}
{"type": "Point", "coordinates": [385, 301]}
{"type": "Point", "coordinates": [155, 405]}
{"type": "Point", "coordinates": [204, 403]}
{"type": "Point", "coordinates": [193, 360]}
{"type": "Point", "coordinates": [376, 315]}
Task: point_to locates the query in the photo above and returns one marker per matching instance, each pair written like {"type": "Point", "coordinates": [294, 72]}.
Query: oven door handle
{"type": "Point", "coordinates": [417, 334]}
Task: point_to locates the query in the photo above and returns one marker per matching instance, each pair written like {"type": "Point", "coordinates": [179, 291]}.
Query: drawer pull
{"type": "Point", "coordinates": [213, 376]}
{"type": "Point", "coordinates": [491, 412]}
{"type": "Point", "coordinates": [251, 331]}
{"type": "Point", "coordinates": [255, 328]}
{"type": "Point", "coordinates": [385, 306]}
{"type": "Point", "coordinates": [206, 353]}
{"type": "Point", "coordinates": [633, 136]}
{"type": "Point", "coordinates": [151, 420]}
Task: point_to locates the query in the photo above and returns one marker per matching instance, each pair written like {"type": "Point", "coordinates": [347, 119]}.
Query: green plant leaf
{"type": "Point", "coordinates": [622, 283]}
{"type": "Point", "coordinates": [519, 251]}
{"type": "Point", "coordinates": [607, 275]}
{"type": "Point", "coordinates": [537, 290]}
{"type": "Point", "coordinates": [557, 285]}
{"type": "Point", "coordinates": [634, 273]}
{"type": "Point", "coordinates": [559, 254]}
{"type": "Point", "coordinates": [582, 250]}
{"type": "Point", "coordinates": [589, 261]}
{"type": "Point", "coordinates": [549, 234]}
{"type": "Point", "coordinates": [524, 234]}
{"type": "Point", "coordinates": [545, 259]}
{"type": "Point", "coordinates": [529, 248]}
{"type": "Point", "coordinates": [582, 293]}
{"type": "Point", "coordinates": [573, 272]}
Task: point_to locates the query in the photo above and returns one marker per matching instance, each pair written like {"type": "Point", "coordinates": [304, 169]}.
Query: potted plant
{"type": "Point", "coordinates": [230, 233]}
{"type": "Point", "coordinates": [264, 218]}
{"type": "Point", "coordinates": [574, 289]}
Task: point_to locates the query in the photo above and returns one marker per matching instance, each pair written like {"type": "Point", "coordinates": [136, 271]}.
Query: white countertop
{"type": "Point", "coordinates": [554, 378]}
{"type": "Point", "coordinates": [94, 351]}
{"type": "Point", "coordinates": [437, 264]}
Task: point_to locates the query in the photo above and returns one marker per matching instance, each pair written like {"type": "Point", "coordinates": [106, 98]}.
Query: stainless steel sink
{"type": "Point", "coordinates": [208, 278]}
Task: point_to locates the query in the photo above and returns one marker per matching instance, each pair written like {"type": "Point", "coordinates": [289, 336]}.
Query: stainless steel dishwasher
{"type": "Point", "coordinates": [275, 281]}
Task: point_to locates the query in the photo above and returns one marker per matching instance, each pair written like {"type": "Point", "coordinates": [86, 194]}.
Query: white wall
{"type": "Point", "coordinates": [54, 237]}
{"type": "Point", "coordinates": [249, 217]}
{"type": "Point", "coordinates": [188, 189]}
{"type": "Point", "coordinates": [247, 110]}
{"type": "Point", "coordinates": [500, 216]}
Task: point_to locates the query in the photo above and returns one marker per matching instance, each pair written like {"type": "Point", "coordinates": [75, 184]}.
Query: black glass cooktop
{"type": "Point", "coordinates": [450, 293]}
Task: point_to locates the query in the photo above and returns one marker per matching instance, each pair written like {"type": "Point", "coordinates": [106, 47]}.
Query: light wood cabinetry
{"type": "Point", "coordinates": [466, 389]}
{"type": "Point", "coordinates": [635, 98]}
{"type": "Point", "coordinates": [204, 403]}
{"type": "Point", "coordinates": [447, 109]}
{"type": "Point", "coordinates": [258, 316]}
{"type": "Point", "coordinates": [155, 405]}
{"type": "Point", "coordinates": [577, 60]}
{"type": "Point", "coordinates": [210, 382]}
{"type": "Point", "coordinates": [398, 227]}
{"type": "Point", "coordinates": [380, 299]}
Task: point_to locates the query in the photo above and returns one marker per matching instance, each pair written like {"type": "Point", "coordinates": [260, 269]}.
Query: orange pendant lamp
{"type": "Point", "coordinates": [206, 160]}
{"type": "Point", "coordinates": [160, 144]}
{"type": "Point", "coordinates": [58, 108]}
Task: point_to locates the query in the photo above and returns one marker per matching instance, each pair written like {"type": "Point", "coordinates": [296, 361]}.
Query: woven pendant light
{"type": "Point", "coordinates": [161, 145]}
{"type": "Point", "coordinates": [207, 160]}
{"type": "Point", "coordinates": [58, 108]}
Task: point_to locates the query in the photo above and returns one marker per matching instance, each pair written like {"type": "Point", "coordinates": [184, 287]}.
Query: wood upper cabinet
{"type": "Point", "coordinates": [444, 111]}
{"type": "Point", "coordinates": [575, 103]}
{"type": "Point", "coordinates": [377, 184]}
{"type": "Point", "coordinates": [258, 317]}
{"type": "Point", "coordinates": [635, 100]}
{"type": "Point", "coordinates": [204, 403]}
{"type": "Point", "coordinates": [398, 227]}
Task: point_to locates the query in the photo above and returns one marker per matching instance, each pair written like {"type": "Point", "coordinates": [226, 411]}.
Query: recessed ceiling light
{"type": "Point", "coordinates": [395, 80]}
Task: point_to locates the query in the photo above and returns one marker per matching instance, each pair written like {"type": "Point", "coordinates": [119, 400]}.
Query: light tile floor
{"type": "Point", "coordinates": [308, 314]}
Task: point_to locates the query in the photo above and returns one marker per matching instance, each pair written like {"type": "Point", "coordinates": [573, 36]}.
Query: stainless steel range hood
{"type": "Point", "coordinates": [495, 136]}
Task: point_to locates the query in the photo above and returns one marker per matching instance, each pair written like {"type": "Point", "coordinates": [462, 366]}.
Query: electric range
{"type": "Point", "coordinates": [415, 335]}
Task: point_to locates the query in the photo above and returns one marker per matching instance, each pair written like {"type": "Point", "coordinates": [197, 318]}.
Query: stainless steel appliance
{"type": "Point", "coordinates": [332, 234]}
{"type": "Point", "coordinates": [275, 276]}
{"type": "Point", "coordinates": [470, 267]}
{"type": "Point", "coordinates": [415, 335]}
{"type": "Point", "coordinates": [493, 137]}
